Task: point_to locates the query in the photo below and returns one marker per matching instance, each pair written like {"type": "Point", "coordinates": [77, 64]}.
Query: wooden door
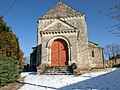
{"type": "Point", "coordinates": [59, 53]}
{"type": "Point", "coordinates": [54, 54]}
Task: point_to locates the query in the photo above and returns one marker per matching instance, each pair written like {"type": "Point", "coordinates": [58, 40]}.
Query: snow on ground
{"type": "Point", "coordinates": [104, 80]}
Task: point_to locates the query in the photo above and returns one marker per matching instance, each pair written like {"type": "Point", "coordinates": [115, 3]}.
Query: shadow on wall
{"type": "Point", "coordinates": [39, 57]}
{"type": "Point", "coordinates": [109, 81]}
{"type": "Point", "coordinates": [35, 60]}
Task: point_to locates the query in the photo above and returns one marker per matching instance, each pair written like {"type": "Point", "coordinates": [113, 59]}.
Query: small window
{"type": "Point", "coordinates": [92, 53]}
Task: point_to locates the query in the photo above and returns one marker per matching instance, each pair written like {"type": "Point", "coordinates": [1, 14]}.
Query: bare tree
{"type": "Point", "coordinates": [112, 50]}
{"type": "Point", "coordinates": [115, 14]}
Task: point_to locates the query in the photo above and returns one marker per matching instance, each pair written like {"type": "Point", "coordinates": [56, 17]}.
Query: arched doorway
{"type": "Point", "coordinates": [59, 53]}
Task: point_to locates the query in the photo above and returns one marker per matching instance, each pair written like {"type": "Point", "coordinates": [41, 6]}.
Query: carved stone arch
{"type": "Point", "coordinates": [50, 41]}
{"type": "Point", "coordinates": [49, 44]}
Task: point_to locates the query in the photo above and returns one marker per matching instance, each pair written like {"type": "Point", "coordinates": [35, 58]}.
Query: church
{"type": "Point", "coordinates": [62, 41]}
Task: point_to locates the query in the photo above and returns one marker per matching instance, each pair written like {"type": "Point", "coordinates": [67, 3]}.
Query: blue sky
{"type": "Point", "coordinates": [23, 16]}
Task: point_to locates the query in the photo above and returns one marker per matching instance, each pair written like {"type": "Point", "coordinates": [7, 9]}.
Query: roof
{"type": "Point", "coordinates": [93, 43]}
{"type": "Point", "coordinates": [61, 10]}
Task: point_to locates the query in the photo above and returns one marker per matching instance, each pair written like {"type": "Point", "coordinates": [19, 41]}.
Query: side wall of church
{"type": "Point", "coordinates": [83, 52]}
{"type": "Point", "coordinates": [96, 56]}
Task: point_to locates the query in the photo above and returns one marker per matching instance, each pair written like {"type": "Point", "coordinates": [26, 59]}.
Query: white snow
{"type": "Point", "coordinates": [105, 80]}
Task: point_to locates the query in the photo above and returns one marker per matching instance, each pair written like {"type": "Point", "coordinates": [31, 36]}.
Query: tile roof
{"type": "Point", "coordinates": [61, 10]}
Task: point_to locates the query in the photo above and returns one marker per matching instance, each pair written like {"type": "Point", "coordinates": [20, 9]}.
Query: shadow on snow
{"type": "Point", "coordinates": [109, 81]}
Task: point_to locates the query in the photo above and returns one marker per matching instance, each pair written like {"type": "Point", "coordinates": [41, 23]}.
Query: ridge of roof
{"type": "Point", "coordinates": [93, 42]}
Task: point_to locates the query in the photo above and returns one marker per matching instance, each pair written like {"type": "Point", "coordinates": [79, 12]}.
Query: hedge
{"type": "Point", "coordinates": [9, 70]}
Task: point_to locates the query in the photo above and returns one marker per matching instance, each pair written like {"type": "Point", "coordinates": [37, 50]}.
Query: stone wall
{"type": "Point", "coordinates": [96, 55]}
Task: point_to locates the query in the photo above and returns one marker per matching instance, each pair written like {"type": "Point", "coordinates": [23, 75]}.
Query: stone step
{"type": "Point", "coordinates": [59, 70]}
{"type": "Point", "coordinates": [61, 67]}
{"type": "Point", "coordinates": [59, 73]}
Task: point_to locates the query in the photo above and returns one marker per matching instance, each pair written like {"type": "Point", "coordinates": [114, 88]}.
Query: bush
{"type": "Point", "coordinates": [9, 70]}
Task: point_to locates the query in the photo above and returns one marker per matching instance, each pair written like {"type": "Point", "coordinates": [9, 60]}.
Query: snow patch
{"type": "Point", "coordinates": [88, 81]}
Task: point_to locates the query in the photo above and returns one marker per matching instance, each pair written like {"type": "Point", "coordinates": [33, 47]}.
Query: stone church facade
{"type": "Point", "coordinates": [62, 39]}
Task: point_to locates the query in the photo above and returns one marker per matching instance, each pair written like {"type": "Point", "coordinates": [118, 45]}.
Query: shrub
{"type": "Point", "coordinates": [9, 70]}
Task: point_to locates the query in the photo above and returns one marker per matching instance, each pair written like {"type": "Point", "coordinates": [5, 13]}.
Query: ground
{"type": "Point", "coordinates": [12, 86]}
{"type": "Point", "coordinates": [104, 80]}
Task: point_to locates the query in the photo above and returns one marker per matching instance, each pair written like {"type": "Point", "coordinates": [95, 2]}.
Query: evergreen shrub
{"type": "Point", "coordinates": [9, 70]}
